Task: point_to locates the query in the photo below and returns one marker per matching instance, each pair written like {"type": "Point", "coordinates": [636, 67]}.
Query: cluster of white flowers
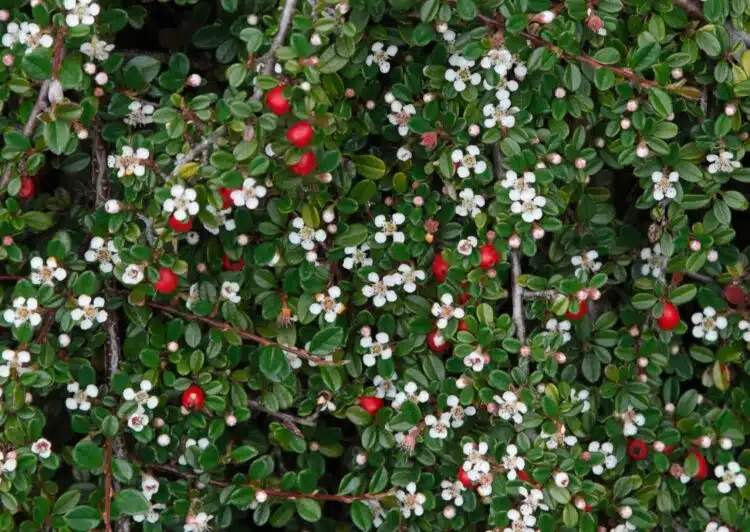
{"type": "Point", "coordinates": [389, 228]}
{"type": "Point", "coordinates": [512, 462]}
{"type": "Point", "coordinates": [400, 115]}
{"type": "Point", "coordinates": [730, 475]}
{"type": "Point", "coordinates": [523, 519]}
{"type": "Point", "coordinates": [607, 450]}
{"type": "Point", "coordinates": [664, 186]}
{"type": "Point", "coordinates": [97, 49]}
{"type": "Point", "coordinates": [562, 328]}
{"type": "Point", "coordinates": [581, 396]}
{"type": "Point", "coordinates": [525, 200]}
{"type": "Point", "coordinates": [385, 388]}
{"type": "Point", "coordinates": [42, 448]}
{"type": "Point", "coordinates": [81, 399]}
{"type": "Point", "coordinates": [586, 263]}
{"type": "Point", "coordinates": [476, 359]}
{"type": "Point", "coordinates": [200, 522]}
{"type": "Point", "coordinates": [305, 236]}
{"type": "Point", "coordinates": [446, 311]}
{"type": "Point", "coordinates": [458, 412]}
{"type": "Point", "coordinates": [130, 161]}
{"type": "Point", "coordinates": [28, 34]}
{"type": "Point", "coordinates": [14, 360]}
{"type": "Point", "coordinates": [46, 273]}
{"type": "Point", "coordinates": [202, 444]}
{"type": "Point", "coordinates": [149, 488]}
{"type": "Point", "coordinates": [722, 163]}
{"type": "Point", "coordinates": [655, 263]}
{"type": "Point", "coordinates": [381, 290]}
{"type": "Point", "coordinates": [466, 245]}
{"type": "Point", "coordinates": [183, 204]}
{"type": "Point", "coordinates": [133, 274]}
{"type": "Point", "coordinates": [707, 324]}
{"type": "Point", "coordinates": [477, 467]}
{"type": "Point", "coordinates": [558, 438]}
{"type": "Point", "coordinates": [411, 393]}
{"type": "Point", "coordinates": [140, 114]}
{"type": "Point", "coordinates": [80, 12]}
{"type": "Point", "coordinates": [8, 462]}
{"type": "Point", "coordinates": [471, 204]}
{"type": "Point", "coordinates": [509, 406]}
{"type": "Point", "coordinates": [631, 421]}
{"type": "Point", "coordinates": [250, 195]}
{"type": "Point", "coordinates": [357, 257]}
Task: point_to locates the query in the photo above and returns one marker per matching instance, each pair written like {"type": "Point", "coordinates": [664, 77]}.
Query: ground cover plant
{"type": "Point", "coordinates": [389, 265]}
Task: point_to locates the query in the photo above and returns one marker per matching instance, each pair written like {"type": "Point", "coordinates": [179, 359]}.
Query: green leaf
{"type": "Point", "coordinates": [146, 65]}
{"type": "Point", "coordinates": [369, 166]}
{"type": "Point", "coordinates": [607, 56]}
{"type": "Point", "coordinates": [308, 509]}
{"type": "Point", "coordinates": [361, 515]}
{"type": "Point", "coordinates": [273, 363]}
{"type": "Point", "coordinates": [661, 101]}
{"type": "Point", "coordinates": [355, 235]}
{"type": "Point", "coordinates": [467, 10]}
{"type": "Point", "coordinates": [683, 294]}
{"type": "Point", "coordinates": [325, 341]}
{"type": "Point", "coordinates": [131, 502]}
{"type": "Point", "coordinates": [57, 136]}
{"type": "Point", "coordinates": [38, 64]}
{"type": "Point", "coordinates": [66, 502]}
{"type": "Point", "coordinates": [88, 455]}
{"type": "Point", "coordinates": [82, 518]}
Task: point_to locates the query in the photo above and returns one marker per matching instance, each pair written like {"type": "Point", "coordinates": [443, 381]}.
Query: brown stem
{"type": "Point", "coordinates": [273, 492]}
{"type": "Point", "coordinates": [11, 277]}
{"type": "Point", "coordinates": [541, 294]}
{"type": "Point", "coordinates": [309, 421]}
{"type": "Point", "coordinates": [49, 317]}
{"type": "Point", "coordinates": [244, 334]}
{"type": "Point", "coordinates": [107, 486]}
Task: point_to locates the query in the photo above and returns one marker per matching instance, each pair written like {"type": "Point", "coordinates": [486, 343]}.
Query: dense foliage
{"type": "Point", "coordinates": [384, 264]}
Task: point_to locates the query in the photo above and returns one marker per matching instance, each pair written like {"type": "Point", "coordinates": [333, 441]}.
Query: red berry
{"type": "Point", "coordinates": [226, 196]}
{"type": "Point", "coordinates": [669, 448]}
{"type": "Point", "coordinates": [734, 294]}
{"type": "Point", "coordinates": [523, 475]}
{"type": "Point", "coordinates": [167, 282]}
{"type": "Point", "coordinates": [305, 165]}
{"type": "Point", "coordinates": [232, 266]}
{"type": "Point", "coordinates": [588, 508]}
{"type": "Point", "coordinates": [28, 189]}
{"type": "Point", "coordinates": [637, 450]}
{"type": "Point", "coordinates": [462, 325]}
{"type": "Point", "coordinates": [670, 317]}
{"type": "Point", "coordinates": [371, 404]}
{"type": "Point", "coordinates": [582, 308]}
{"type": "Point", "coordinates": [463, 477]}
{"type": "Point", "coordinates": [702, 465]}
{"type": "Point", "coordinates": [490, 256]}
{"type": "Point", "coordinates": [436, 342]}
{"type": "Point", "coordinates": [439, 268]}
{"type": "Point", "coordinates": [193, 397]}
{"type": "Point", "coordinates": [276, 101]}
{"type": "Point", "coordinates": [463, 299]}
{"type": "Point", "coordinates": [179, 226]}
{"type": "Point", "coordinates": [300, 134]}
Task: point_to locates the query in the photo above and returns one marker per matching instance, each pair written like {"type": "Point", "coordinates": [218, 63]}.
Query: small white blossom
{"type": "Point", "coordinates": [664, 186]}
{"type": "Point", "coordinates": [713, 526]}
{"type": "Point", "coordinates": [28, 34]}
{"type": "Point", "coordinates": [457, 412]}
{"type": "Point", "coordinates": [400, 115]}
{"type": "Point", "coordinates": [707, 324]}
{"type": "Point", "coordinates": [24, 310]}
{"type": "Point", "coordinates": [581, 396]}
{"type": "Point", "coordinates": [722, 163]}
{"type": "Point", "coordinates": [404, 154]}
{"type": "Point", "coordinates": [512, 462]}
{"type": "Point", "coordinates": [141, 114]}
{"type": "Point", "coordinates": [138, 421]}
{"type": "Point", "coordinates": [249, 195]}
{"type": "Point", "coordinates": [471, 204]}
{"type": "Point", "coordinates": [744, 325]}
{"type": "Point", "coordinates": [498, 59]}
{"type": "Point", "coordinates": [377, 348]}
{"type": "Point", "coordinates": [438, 426]}
{"type": "Point", "coordinates": [97, 49]}
{"type": "Point", "coordinates": [385, 388]}
{"type": "Point", "coordinates": [389, 228]}
{"type": "Point", "coordinates": [654, 262]}
{"type": "Point", "coordinates": [142, 397]}
{"type": "Point", "coordinates": [519, 522]}
{"type": "Point", "coordinates": [133, 274]}
{"type": "Point", "coordinates": [46, 273]}
{"type": "Point", "coordinates": [182, 205]}
{"type": "Point", "coordinates": [305, 236]}
{"type": "Point", "coordinates": [631, 421]}
{"type": "Point", "coordinates": [149, 485]}
{"type": "Point", "coordinates": [476, 360]}
{"type": "Point", "coordinates": [519, 188]}
{"type": "Point", "coordinates": [230, 292]}
{"type": "Point", "coordinates": [502, 114]}
{"type": "Point", "coordinates": [326, 303]}
{"type": "Point", "coordinates": [559, 327]}
{"type": "Point", "coordinates": [460, 75]}
{"type": "Point", "coordinates": [357, 257]}
{"type": "Point", "coordinates": [152, 516]}
{"type": "Point", "coordinates": [475, 462]}
{"type": "Point", "coordinates": [381, 56]}
{"type": "Point", "coordinates": [728, 476]}
{"type": "Point", "coordinates": [606, 449]}
{"type": "Point", "coordinates": [8, 462]}
{"type": "Point", "coordinates": [586, 263]}
{"type": "Point", "coordinates": [381, 289]}
{"type": "Point", "coordinates": [325, 404]}
{"type": "Point", "coordinates": [80, 12]}
{"type": "Point", "coordinates": [452, 491]}
{"type": "Point", "coordinates": [409, 277]}
{"type": "Point", "coordinates": [14, 360]}
{"type": "Point", "coordinates": [411, 393]}
{"type": "Point", "coordinates": [411, 501]}
{"type": "Point", "coordinates": [466, 245]}
{"type": "Point", "coordinates": [129, 162]}
{"type": "Point", "coordinates": [89, 311]}
{"type": "Point", "coordinates": [81, 398]}
{"type": "Point", "coordinates": [222, 220]}
{"type": "Point", "coordinates": [198, 523]}
{"type": "Point", "coordinates": [468, 161]}
{"type": "Point", "coordinates": [104, 252]}
{"type": "Point", "coordinates": [510, 407]}
{"type": "Point", "coordinates": [445, 311]}
{"type": "Point", "coordinates": [42, 447]}
{"type": "Point", "coordinates": [558, 438]}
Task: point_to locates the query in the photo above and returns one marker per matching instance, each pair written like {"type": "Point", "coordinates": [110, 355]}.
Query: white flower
{"type": "Point", "coordinates": [133, 274]}
{"type": "Point", "coordinates": [8, 462]}
{"type": "Point", "coordinates": [457, 412]}
{"type": "Point", "coordinates": [80, 399]}
{"type": "Point", "coordinates": [510, 407]}
{"type": "Point", "coordinates": [103, 251]}
{"type": "Point", "coordinates": [182, 204]}
{"type": "Point", "coordinates": [520, 523]}
{"type": "Point", "coordinates": [152, 516]}
{"type": "Point", "coordinates": [519, 188]}
{"type": "Point", "coordinates": [729, 475]}
{"type": "Point", "coordinates": [222, 219]}
{"type": "Point", "coordinates": [378, 513]}
{"type": "Point", "coordinates": [389, 228]}
{"type": "Point", "coordinates": [129, 162]}
{"type": "Point", "coordinates": [14, 360]}
{"type": "Point", "coordinates": [744, 325]}
{"type": "Point", "coordinates": [249, 194]}
{"type": "Point", "coordinates": [532, 500]}
{"type": "Point", "coordinates": [42, 447]}
{"type": "Point", "coordinates": [193, 296]}
{"type": "Point", "coordinates": [498, 59]}
{"type": "Point", "coordinates": [327, 304]}
{"type": "Point", "coordinates": [137, 421]}
{"type": "Point", "coordinates": [409, 277]}
{"type": "Point", "coordinates": [438, 427]}
{"type": "Point", "coordinates": [97, 49]}
{"type": "Point", "coordinates": [385, 387]}
{"type": "Point", "coordinates": [558, 438]}
{"type": "Point", "coordinates": [202, 444]}
{"type": "Point", "coordinates": [381, 56]}
{"type": "Point", "coordinates": [466, 245]}
{"type": "Point", "coordinates": [445, 311]}
{"type": "Point", "coordinates": [378, 348]}
{"type": "Point", "coordinates": [411, 393]}
{"type": "Point", "coordinates": [512, 462]}
{"type": "Point", "coordinates": [471, 204]}
{"type": "Point", "coordinates": [404, 154]}
{"type": "Point", "coordinates": [468, 162]}
{"type": "Point", "coordinates": [586, 263]}
{"type": "Point", "coordinates": [411, 501]}
{"type": "Point", "coordinates": [452, 491]}
{"type": "Point", "coordinates": [708, 324]}
{"type": "Point", "coordinates": [47, 273]}
{"type": "Point", "coordinates": [230, 292]}
{"type": "Point", "coordinates": [529, 209]}
{"type": "Point", "coordinates": [713, 526]}
{"type": "Point", "coordinates": [89, 311]}
{"type": "Point", "coordinates": [664, 186]}
{"type": "Point", "coordinates": [581, 396]}
{"type": "Point", "coordinates": [198, 523]}
{"type": "Point", "coordinates": [149, 485]}
{"type": "Point", "coordinates": [460, 75]}
{"type": "Point", "coordinates": [28, 34]}
{"type": "Point", "coordinates": [559, 327]}
{"type": "Point", "coordinates": [476, 360]}
{"type": "Point", "coordinates": [140, 114]}
{"type": "Point", "coordinates": [305, 236]}
{"type": "Point", "coordinates": [502, 114]}
{"type": "Point", "coordinates": [475, 464]}
{"type": "Point", "coordinates": [357, 257]}
{"type": "Point", "coordinates": [606, 449]}
{"type": "Point", "coordinates": [655, 263]}
{"type": "Point", "coordinates": [380, 289]}
{"type": "Point", "coordinates": [722, 163]}
{"type": "Point", "coordinates": [631, 421]}
{"type": "Point", "coordinates": [141, 397]}
{"type": "Point", "coordinates": [80, 12]}
{"type": "Point", "coordinates": [400, 115]}
{"type": "Point", "coordinates": [325, 403]}
{"type": "Point", "coordinates": [12, 35]}
{"type": "Point", "coordinates": [24, 310]}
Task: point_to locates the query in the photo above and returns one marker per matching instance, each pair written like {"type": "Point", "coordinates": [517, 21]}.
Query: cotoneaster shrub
{"type": "Point", "coordinates": [399, 265]}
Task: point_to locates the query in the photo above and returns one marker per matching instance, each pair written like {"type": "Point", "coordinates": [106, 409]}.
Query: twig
{"type": "Point", "coordinates": [11, 277]}
{"type": "Point", "coordinates": [309, 421]}
{"type": "Point", "coordinates": [699, 277]}
{"type": "Point", "coordinates": [517, 298]}
{"type": "Point", "coordinates": [244, 334]}
{"type": "Point", "coordinates": [149, 232]}
{"type": "Point", "coordinates": [542, 294]}
{"type": "Point", "coordinates": [270, 62]}
{"type": "Point", "coordinates": [274, 492]}
{"type": "Point", "coordinates": [107, 486]}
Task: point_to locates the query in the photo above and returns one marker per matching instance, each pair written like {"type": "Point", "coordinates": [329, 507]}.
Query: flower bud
{"type": "Point", "coordinates": [101, 78]}
{"type": "Point", "coordinates": [201, 267]}
{"type": "Point", "coordinates": [561, 479]}
{"type": "Point", "coordinates": [252, 20]}
{"type": "Point", "coordinates": [158, 423]}
{"type": "Point", "coordinates": [525, 351]}
{"type": "Point", "coordinates": [712, 256]}
{"type": "Point", "coordinates": [441, 27]}
{"type": "Point", "coordinates": [625, 512]}
{"type": "Point", "coordinates": [537, 232]}
{"type": "Point", "coordinates": [98, 92]}
{"type": "Point", "coordinates": [625, 123]}
{"type": "Point", "coordinates": [730, 109]}
{"type": "Point", "coordinates": [541, 387]}
{"type": "Point", "coordinates": [462, 382]}
{"type": "Point", "coordinates": [311, 256]}
{"type": "Point", "coordinates": [370, 105]}
{"type": "Point", "coordinates": [545, 17]}
{"type": "Point", "coordinates": [332, 229]}
{"type": "Point", "coordinates": [699, 399]}
{"type": "Point", "coordinates": [554, 158]}
{"type": "Point", "coordinates": [315, 39]}
{"type": "Point", "coordinates": [695, 245]}
{"type": "Point", "coordinates": [659, 446]}
{"type": "Point", "coordinates": [173, 346]}
{"type": "Point", "coordinates": [703, 441]}
{"type": "Point", "coordinates": [642, 362]}
{"type": "Point", "coordinates": [428, 97]}
{"type": "Point", "coordinates": [669, 408]}
{"type": "Point", "coordinates": [82, 133]}
{"type": "Point", "coordinates": [449, 512]}
{"type": "Point", "coordinates": [389, 97]}
{"type": "Point", "coordinates": [4, 15]}
{"type": "Point", "coordinates": [580, 163]}
{"type": "Point", "coordinates": [418, 201]}
{"type": "Point", "coordinates": [113, 206]}
{"type": "Point", "coordinates": [559, 93]}
{"type": "Point", "coordinates": [325, 177]}
{"type": "Point", "coordinates": [580, 503]}
{"type": "Point", "coordinates": [89, 68]}
{"type": "Point", "coordinates": [599, 142]}
{"type": "Point", "coordinates": [560, 358]}
{"type": "Point", "coordinates": [361, 459]}
{"type": "Point", "coordinates": [642, 151]}
{"type": "Point", "coordinates": [55, 91]}
{"type": "Point", "coordinates": [8, 60]}
{"type": "Point", "coordinates": [632, 106]}
{"type": "Point", "coordinates": [514, 241]}
{"type": "Point", "coordinates": [163, 440]}
{"type": "Point", "coordinates": [643, 378]}
{"type": "Point", "coordinates": [634, 331]}
{"type": "Point", "coordinates": [365, 330]}
{"type": "Point", "coordinates": [677, 73]}
{"type": "Point", "coordinates": [230, 420]}
{"type": "Point", "coordinates": [261, 496]}
{"type": "Point", "coordinates": [329, 215]}
{"type": "Point", "coordinates": [305, 86]}
{"type": "Point", "coordinates": [194, 80]}
{"type": "Point", "coordinates": [725, 443]}
{"type": "Point", "coordinates": [474, 130]}
{"type": "Point", "coordinates": [540, 165]}
{"type": "Point", "coordinates": [243, 240]}
{"type": "Point", "coordinates": [63, 340]}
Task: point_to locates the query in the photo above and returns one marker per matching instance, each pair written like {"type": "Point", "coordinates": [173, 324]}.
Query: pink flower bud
{"type": "Point", "coordinates": [677, 73]}
{"type": "Point", "coordinates": [594, 294]}
{"type": "Point", "coordinates": [540, 165]}
{"type": "Point", "coordinates": [98, 92]}
{"type": "Point", "coordinates": [632, 106]}
{"type": "Point", "coordinates": [730, 109]}
{"type": "Point", "coordinates": [314, 446]}
{"type": "Point", "coordinates": [642, 378]}
{"type": "Point", "coordinates": [695, 245]}
{"type": "Point", "coordinates": [582, 295]}
{"type": "Point", "coordinates": [230, 420]}
{"type": "Point", "coordinates": [350, 93]}
{"type": "Point", "coordinates": [545, 17]}
{"type": "Point", "coordinates": [537, 232]}
{"type": "Point", "coordinates": [595, 23]}
{"type": "Point", "coordinates": [580, 503]}
{"type": "Point", "coordinates": [559, 93]}
{"type": "Point", "coordinates": [388, 201]}
{"type": "Point", "coordinates": [8, 60]}
{"type": "Point", "coordinates": [554, 158]}
{"type": "Point", "coordinates": [491, 235]}
{"type": "Point", "coordinates": [173, 346]}
{"type": "Point", "coordinates": [599, 142]}
{"type": "Point", "coordinates": [625, 123]}
{"type": "Point", "coordinates": [642, 362]}
{"type": "Point", "coordinates": [101, 78]}
{"type": "Point", "coordinates": [580, 163]}
{"type": "Point", "coordinates": [7, 241]}
{"type": "Point", "coordinates": [474, 130]}
{"type": "Point", "coordinates": [659, 446]}
{"type": "Point", "coordinates": [642, 151]}
{"type": "Point", "coordinates": [514, 241]}
{"type": "Point", "coordinates": [560, 358]}
{"type": "Point", "coordinates": [626, 512]}
{"type": "Point", "coordinates": [449, 512]}
{"type": "Point", "coordinates": [4, 15]}
{"type": "Point", "coordinates": [634, 332]}
{"type": "Point", "coordinates": [418, 201]}
{"type": "Point", "coordinates": [669, 408]}
{"type": "Point", "coordinates": [365, 330]}
{"type": "Point", "coordinates": [361, 459]}
{"type": "Point", "coordinates": [194, 80]}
